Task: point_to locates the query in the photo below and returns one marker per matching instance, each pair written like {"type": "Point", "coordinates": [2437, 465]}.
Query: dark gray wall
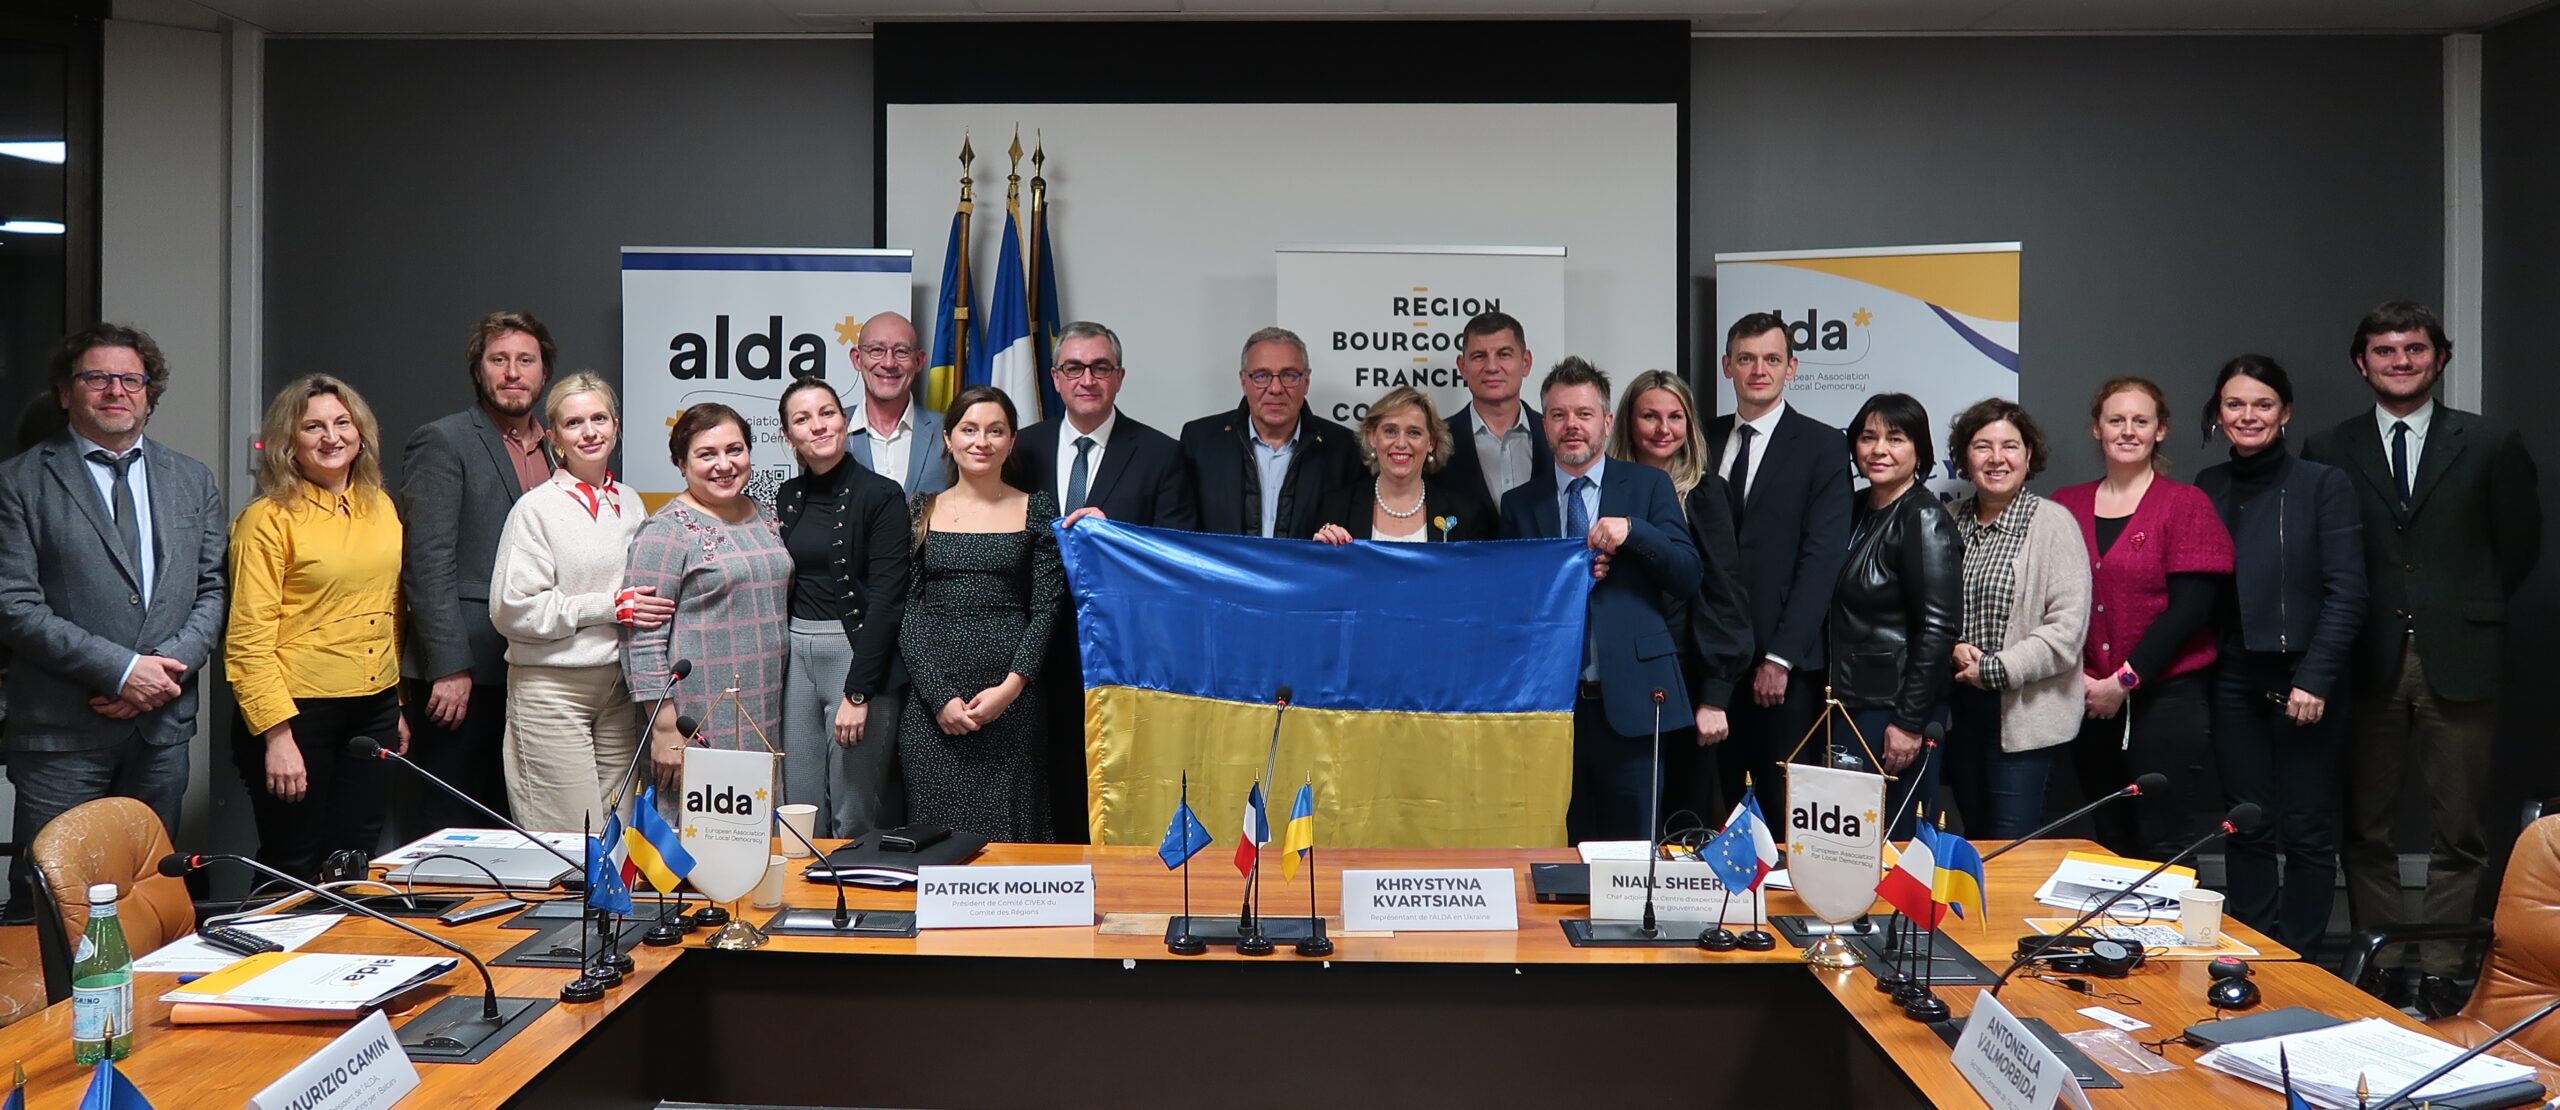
{"type": "Point", "coordinates": [2181, 200]}
{"type": "Point", "coordinates": [415, 186]}
{"type": "Point", "coordinates": [2520, 171]}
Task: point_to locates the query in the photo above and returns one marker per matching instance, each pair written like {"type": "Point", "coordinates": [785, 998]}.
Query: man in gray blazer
{"type": "Point", "coordinates": [887, 432]}
{"type": "Point", "coordinates": [111, 594]}
{"type": "Point", "coordinates": [459, 477]}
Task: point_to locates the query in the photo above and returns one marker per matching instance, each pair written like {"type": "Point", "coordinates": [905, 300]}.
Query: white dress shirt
{"type": "Point", "coordinates": [137, 476]}
{"type": "Point", "coordinates": [889, 453]}
{"type": "Point", "coordinates": [1761, 430]}
{"type": "Point", "coordinates": [2418, 423]}
{"type": "Point", "coordinates": [1101, 438]}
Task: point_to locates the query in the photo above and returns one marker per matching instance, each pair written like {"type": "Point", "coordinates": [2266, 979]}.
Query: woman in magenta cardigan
{"type": "Point", "coordinates": [2157, 555]}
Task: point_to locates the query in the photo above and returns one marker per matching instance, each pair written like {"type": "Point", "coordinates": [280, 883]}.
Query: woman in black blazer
{"type": "Point", "coordinates": [1405, 443]}
{"type": "Point", "coordinates": [2293, 603]}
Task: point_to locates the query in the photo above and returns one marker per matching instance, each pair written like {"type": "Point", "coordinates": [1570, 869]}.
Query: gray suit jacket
{"type": "Point", "coordinates": [926, 470]}
{"type": "Point", "coordinates": [69, 604]}
{"type": "Point", "coordinates": [456, 487]}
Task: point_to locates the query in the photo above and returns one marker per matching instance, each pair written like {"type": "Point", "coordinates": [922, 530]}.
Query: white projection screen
{"type": "Point", "coordinates": [1165, 216]}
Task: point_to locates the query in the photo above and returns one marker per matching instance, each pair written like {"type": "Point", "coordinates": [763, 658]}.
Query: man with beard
{"type": "Point", "coordinates": [2452, 525]}
{"type": "Point", "coordinates": [885, 431]}
{"type": "Point", "coordinates": [111, 595]}
{"type": "Point", "coordinates": [1630, 515]}
{"type": "Point", "coordinates": [459, 476]}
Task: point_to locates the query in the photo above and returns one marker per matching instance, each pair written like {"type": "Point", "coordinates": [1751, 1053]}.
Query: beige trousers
{"type": "Point", "coordinates": [571, 732]}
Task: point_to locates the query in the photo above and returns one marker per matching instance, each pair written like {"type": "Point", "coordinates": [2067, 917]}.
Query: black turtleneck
{"type": "Point", "coordinates": [2252, 475]}
{"type": "Point", "coordinates": [817, 587]}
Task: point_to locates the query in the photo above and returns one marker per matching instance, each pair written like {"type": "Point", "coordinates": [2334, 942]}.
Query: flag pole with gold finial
{"type": "Point", "coordinates": [942, 381]}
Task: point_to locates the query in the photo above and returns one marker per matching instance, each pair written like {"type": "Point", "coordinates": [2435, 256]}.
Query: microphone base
{"type": "Point", "coordinates": [820, 921]}
{"type": "Point", "coordinates": [1719, 939]}
{"type": "Point", "coordinates": [1228, 931]}
{"type": "Point", "coordinates": [1757, 940]}
{"type": "Point", "coordinates": [582, 989]}
{"type": "Point", "coordinates": [1255, 944]}
{"type": "Point", "coordinates": [1926, 1009]}
{"type": "Point", "coordinates": [1185, 944]}
{"type": "Point", "coordinates": [1582, 932]}
{"type": "Point", "coordinates": [454, 1030]}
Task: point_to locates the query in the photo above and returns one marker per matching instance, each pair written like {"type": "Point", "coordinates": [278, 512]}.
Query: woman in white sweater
{"type": "Point", "coordinates": [2017, 697]}
{"type": "Point", "coordinates": [556, 594]}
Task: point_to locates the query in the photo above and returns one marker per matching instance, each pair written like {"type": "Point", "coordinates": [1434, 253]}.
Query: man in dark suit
{"type": "Point", "coordinates": [2452, 525]}
{"type": "Point", "coordinates": [112, 554]}
{"type": "Point", "coordinates": [1263, 469]}
{"type": "Point", "coordinates": [1788, 477]}
{"type": "Point", "coordinates": [459, 477]}
{"type": "Point", "coordinates": [1630, 514]}
{"type": "Point", "coordinates": [886, 431]}
{"type": "Point", "coordinates": [1098, 462]}
{"type": "Point", "coordinates": [1495, 442]}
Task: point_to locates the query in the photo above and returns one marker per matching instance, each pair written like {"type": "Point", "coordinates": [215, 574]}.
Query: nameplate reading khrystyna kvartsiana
{"type": "Point", "coordinates": [1436, 899]}
{"type": "Point", "coordinates": [1004, 897]}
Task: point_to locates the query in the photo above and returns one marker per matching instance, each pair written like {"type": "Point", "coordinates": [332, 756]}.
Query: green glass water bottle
{"type": "Point", "coordinates": [102, 984]}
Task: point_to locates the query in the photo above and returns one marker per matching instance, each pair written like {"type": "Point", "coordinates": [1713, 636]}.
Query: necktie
{"type": "Point", "coordinates": [1738, 483]}
{"type": "Point", "coordinates": [1577, 519]}
{"type": "Point", "coordinates": [1076, 474]}
{"type": "Point", "coordinates": [128, 522]}
{"type": "Point", "coordinates": [2400, 458]}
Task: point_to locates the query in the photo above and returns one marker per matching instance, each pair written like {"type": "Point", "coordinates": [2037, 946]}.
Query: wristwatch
{"type": "Point", "coordinates": [858, 699]}
{"type": "Point", "coordinates": [2131, 680]}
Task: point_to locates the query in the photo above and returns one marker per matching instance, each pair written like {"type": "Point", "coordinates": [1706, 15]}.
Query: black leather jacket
{"type": "Point", "coordinates": [1895, 612]}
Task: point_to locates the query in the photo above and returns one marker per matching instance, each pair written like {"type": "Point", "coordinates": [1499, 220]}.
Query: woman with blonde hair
{"type": "Point", "coordinates": [556, 594]}
{"type": "Point", "coordinates": [1658, 426]}
{"type": "Point", "coordinates": [313, 645]}
{"type": "Point", "coordinates": [1405, 443]}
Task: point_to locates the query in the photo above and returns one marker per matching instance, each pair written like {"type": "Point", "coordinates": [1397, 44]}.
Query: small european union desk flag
{"type": "Point", "coordinates": [1184, 836]}
{"type": "Point", "coordinates": [110, 1090]}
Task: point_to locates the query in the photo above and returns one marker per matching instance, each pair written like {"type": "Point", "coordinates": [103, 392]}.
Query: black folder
{"type": "Point", "coordinates": [865, 863]}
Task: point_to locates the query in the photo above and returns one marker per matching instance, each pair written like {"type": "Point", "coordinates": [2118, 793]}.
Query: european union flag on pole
{"type": "Point", "coordinates": [604, 880]}
{"type": "Point", "coordinates": [17, 1099]}
{"type": "Point", "coordinates": [110, 1090]}
{"type": "Point", "coordinates": [955, 338]}
{"type": "Point", "coordinates": [1184, 836]}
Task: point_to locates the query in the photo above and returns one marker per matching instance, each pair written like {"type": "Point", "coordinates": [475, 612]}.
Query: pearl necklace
{"type": "Point", "coordinates": [1380, 489]}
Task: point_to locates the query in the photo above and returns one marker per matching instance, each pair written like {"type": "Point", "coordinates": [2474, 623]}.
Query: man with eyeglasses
{"type": "Point", "coordinates": [886, 431]}
{"type": "Point", "coordinates": [1263, 468]}
{"type": "Point", "coordinates": [112, 595]}
{"type": "Point", "coordinates": [1097, 462]}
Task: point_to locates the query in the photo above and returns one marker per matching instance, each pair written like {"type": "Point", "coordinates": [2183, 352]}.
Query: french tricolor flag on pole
{"type": "Point", "coordinates": [1257, 832]}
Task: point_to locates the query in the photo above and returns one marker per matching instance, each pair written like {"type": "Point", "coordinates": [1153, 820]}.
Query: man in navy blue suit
{"type": "Point", "coordinates": [1630, 515]}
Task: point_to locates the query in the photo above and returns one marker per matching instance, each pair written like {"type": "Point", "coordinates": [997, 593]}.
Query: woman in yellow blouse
{"type": "Point", "coordinates": [313, 650]}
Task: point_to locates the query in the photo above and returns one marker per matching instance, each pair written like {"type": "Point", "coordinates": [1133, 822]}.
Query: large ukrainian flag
{"type": "Point", "coordinates": [1433, 683]}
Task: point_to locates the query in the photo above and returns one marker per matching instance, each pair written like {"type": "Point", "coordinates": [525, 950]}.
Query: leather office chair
{"type": "Point", "coordinates": [111, 840]}
{"type": "Point", "coordinates": [2521, 971]}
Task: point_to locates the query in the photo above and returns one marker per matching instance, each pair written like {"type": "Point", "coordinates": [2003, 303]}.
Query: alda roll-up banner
{"type": "Point", "coordinates": [1375, 318]}
{"type": "Point", "coordinates": [735, 325]}
{"type": "Point", "coordinates": [1937, 322]}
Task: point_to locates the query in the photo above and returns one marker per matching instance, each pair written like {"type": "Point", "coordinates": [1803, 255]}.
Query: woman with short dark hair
{"type": "Point", "coordinates": [2284, 620]}
{"type": "Point", "coordinates": [718, 554]}
{"type": "Point", "coordinates": [2017, 696]}
{"type": "Point", "coordinates": [1894, 608]}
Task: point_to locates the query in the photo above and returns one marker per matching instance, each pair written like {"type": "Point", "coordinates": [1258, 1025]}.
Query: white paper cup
{"type": "Point", "coordinates": [803, 819]}
{"type": "Point", "coordinates": [2200, 916]}
{"type": "Point", "coordinates": [768, 894]}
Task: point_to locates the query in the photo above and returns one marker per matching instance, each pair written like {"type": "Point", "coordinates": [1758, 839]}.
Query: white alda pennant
{"type": "Point", "coordinates": [727, 819]}
{"type": "Point", "coordinates": [1835, 840]}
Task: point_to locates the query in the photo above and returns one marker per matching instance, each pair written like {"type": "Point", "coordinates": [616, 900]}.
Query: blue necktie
{"type": "Point", "coordinates": [1577, 519]}
{"type": "Point", "coordinates": [2400, 458]}
{"type": "Point", "coordinates": [1076, 474]}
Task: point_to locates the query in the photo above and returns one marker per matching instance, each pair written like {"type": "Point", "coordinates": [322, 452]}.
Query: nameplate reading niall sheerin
{"type": "Point", "coordinates": [1425, 900]}
{"type": "Point", "coordinates": [1004, 897]}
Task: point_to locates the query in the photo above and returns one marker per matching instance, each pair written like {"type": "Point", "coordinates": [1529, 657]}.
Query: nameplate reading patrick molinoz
{"type": "Point", "coordinates": [1004, 897]}
{"type": "Point", "coordinates": [1423, 900]}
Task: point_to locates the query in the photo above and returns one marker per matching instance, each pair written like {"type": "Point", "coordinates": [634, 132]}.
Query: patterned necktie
{"type": "Point", "coordinates": [128, 523]}
{"type": "Point", "coordinates": [1577, 519]}
{"type": "Point", "coordinates": [1077, 473]}
{"type": "Point", "coordinates": [2400, 458]}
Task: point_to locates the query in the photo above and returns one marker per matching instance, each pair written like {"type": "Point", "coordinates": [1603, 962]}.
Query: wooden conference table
{"type": "Point", "coordinates": [1104, 1016]}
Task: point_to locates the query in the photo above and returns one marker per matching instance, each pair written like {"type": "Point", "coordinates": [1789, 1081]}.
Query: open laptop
{"type": "Point", "coordinates": [512, 868]}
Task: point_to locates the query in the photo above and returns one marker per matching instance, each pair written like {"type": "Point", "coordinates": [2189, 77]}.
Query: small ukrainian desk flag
{"type": "Point", "coordinates": [1433, 683]}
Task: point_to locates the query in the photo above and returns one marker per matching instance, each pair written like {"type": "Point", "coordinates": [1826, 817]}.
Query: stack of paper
{"type": "Point", "coordinates": [191, 955]}
{"type": "Point", "coordinates": [2087, 878]}
{"type": "Point", "coordinates": [328, 982]}
{"type": "Point", "coordinates": [2327, 1063]}
{"type": "Point", "coordinates": [447, 840]}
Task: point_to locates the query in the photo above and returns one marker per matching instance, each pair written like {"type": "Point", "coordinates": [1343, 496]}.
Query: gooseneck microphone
{"type": "Point", "coordinates": [457, 1034]}
{"type": "Point", "coordinates": [2242, 818]}
{"type": "Point", "coordinates": [675, 674]}
{"type": "Point", "coordinates": [2135, 789]}
{"type": "Point", "coordinates": [1250, 940]}
{"type": "Point", "coordinates": [1653, 827]}
{"type": "Point", "coordinates": [2402, 1096]}
{"type": "Point", "coordinates": [844, 918]}
{"type": "Point", "coordinates": [365, 747]}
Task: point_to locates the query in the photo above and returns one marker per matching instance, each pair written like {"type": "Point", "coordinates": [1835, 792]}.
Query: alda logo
{"type": "Point", "coordinates": [727, 803]}
{"type": "Point", "coordinates": [757, 355]}
{"type": "Point", "coordinates": [1829, 819]}
{"type": "Point", "coordinates": [1811, 333]}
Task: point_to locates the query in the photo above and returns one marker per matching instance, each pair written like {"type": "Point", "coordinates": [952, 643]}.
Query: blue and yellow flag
{"type": "Point", "coordinates": [1960, 881]}
{"type": "Point", "coordinates": [955, 334]}
{"type": "Point", "coordinates": [656, 849]}
{"type": "Point", "coordinates": [1299, 840]}
{"type": "Point", "coordinates": [1439, 679]}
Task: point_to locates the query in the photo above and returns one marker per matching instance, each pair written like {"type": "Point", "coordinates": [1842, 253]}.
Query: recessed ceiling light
{"type": "Point", "coordinates": [32, 227]}
{"type": "Point", "coordinates": [36, 152]}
